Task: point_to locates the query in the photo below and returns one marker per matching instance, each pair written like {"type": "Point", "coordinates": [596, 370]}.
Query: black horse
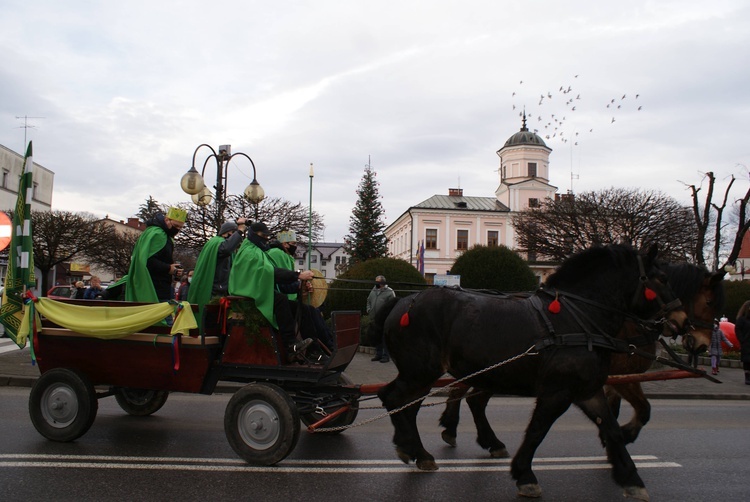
{"type": "Point", "coordinates": [701, 293]}
{"type": "Point", "coordinates": [565, 328]}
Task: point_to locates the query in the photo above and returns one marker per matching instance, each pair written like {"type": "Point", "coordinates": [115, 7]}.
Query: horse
{"type": "Point", "coordinates": [556, 344]}
{"type": "Point", "coordinates": [702, 294]}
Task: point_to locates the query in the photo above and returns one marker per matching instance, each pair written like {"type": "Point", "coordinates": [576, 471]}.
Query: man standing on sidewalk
{"type": "Point", "coordinates": [380, 294]}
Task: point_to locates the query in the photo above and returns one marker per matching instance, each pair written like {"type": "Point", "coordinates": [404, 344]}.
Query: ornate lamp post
{"type": "Point", "coordinates": [192, 182]}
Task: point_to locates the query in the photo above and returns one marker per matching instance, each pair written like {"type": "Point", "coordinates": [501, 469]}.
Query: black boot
{"type": "Point", "coordinates": [296, 351]}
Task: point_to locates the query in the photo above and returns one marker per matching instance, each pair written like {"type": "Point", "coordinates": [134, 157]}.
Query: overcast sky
{"type": "Point", "coordinates": [428, 90]}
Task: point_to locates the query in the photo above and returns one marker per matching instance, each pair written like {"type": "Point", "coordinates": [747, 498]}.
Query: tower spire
{"type": "Point", "coordinates": [523, 122]}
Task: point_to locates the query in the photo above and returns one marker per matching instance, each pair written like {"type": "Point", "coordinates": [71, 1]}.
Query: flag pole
{"type": "Point", "coordinates": [309, 221]}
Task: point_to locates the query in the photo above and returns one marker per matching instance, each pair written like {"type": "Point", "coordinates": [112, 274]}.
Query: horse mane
{"type": "Point", "coordinates": [687, 279]}
{"type": "Point", "coordinates": [588, 260]}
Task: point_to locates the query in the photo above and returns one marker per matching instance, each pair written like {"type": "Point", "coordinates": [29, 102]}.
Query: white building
{"type": "Point", "coordinates": [43, 180]}
{"type": "Point", "coordinates": [450, 224]}
{"type": "Point", "coordinates": [328, 257]}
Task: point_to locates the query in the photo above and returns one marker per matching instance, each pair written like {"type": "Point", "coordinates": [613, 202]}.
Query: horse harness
{"type": "Point", "coordinates": [592, 335]}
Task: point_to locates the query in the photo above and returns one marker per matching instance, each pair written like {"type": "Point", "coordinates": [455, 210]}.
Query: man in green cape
{"type": "Point", "coordinates": [281, 252]}
{"type": "Point", "coordinates": [254, 275]}
{"type": "Point", "coordinates": [152, 266]}
{"type": "Point", "coordinates": [211, 274]}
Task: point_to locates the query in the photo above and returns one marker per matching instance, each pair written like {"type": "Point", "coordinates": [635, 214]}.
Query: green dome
{"type": "Point", "coordinates": [525, 137]}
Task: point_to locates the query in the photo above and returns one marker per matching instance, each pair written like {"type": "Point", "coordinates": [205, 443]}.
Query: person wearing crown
{"type": "Point", "coordinates": [152, 265]}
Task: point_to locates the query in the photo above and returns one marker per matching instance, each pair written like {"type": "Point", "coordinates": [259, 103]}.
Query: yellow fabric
{"type": "Point", "coordinates": [108, 322]}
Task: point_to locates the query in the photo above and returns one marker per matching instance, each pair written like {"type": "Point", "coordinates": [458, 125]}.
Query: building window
{"type": "Point", "coordinates": [532, 169]}
{"type": "Point", "coordinates": [5, 178]}
{"type": "Point", "coordinates": [314, 258]}
{"type": "Point", "coordinates": [462, 240]}
{"type": "Point", "coordinates": [33, 190]}
{"type": "Point", "coordinates": [492, 236]}
{"type": "Point", "coordinates": [430, 238]}
{"type": "Point", "coordinates": [338, 260]}
{"type": "Point", "coordinates": [302, 261]}
{"type": "Point", "coordinates": [533, 202]}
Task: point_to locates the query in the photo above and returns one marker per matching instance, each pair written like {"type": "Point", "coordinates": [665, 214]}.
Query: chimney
{"type": "Point", "coordinates": [455, 192]}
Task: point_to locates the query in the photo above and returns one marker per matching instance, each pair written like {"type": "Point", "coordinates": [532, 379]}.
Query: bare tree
{"type": "Point", "coordinates": [277, 213]}
{"type": "Point", "coordinates": [567, 225]}
{"type": "Point", "coordinates": [704, 218]}
{"type": "Point", "coordinates": [115, 256]}
{"type": "Point", "coordinates": [62, 236]}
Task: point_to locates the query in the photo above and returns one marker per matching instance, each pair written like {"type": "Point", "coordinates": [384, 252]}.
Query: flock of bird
{"type": "Point", "coordinates": [550, 116]}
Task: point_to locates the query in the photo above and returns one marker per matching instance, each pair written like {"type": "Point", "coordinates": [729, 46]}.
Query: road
{"type": "Point", "coordinates": [692, 450]}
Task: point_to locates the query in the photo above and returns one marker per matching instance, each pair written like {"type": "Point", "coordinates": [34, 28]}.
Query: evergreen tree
{"type": "Point", "coordinates": [366, 239]}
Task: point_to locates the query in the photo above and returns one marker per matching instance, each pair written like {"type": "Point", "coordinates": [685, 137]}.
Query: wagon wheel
{"type": "Point", "coordinates": [62, 405]}
{"type": "Point", "coordinates": [140, 402]}
{"type": "Point", "coordinates": [346, 418]}
{"type": "Point", "coordinates": [261, 423]}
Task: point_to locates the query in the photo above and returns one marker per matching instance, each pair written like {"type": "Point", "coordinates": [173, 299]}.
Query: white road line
{"type": "Point", "coordinates": [7, 345]}
{"type": "Point", "coordinates": [307, 466]}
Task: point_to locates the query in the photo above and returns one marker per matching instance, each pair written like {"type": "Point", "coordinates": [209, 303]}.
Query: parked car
{"type": "Point", "coordinates": [60, 292]}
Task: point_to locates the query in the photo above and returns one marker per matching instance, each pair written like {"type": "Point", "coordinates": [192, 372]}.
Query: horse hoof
{"type": "Point", "coordinates": [451, 440]}
{"type": "Point", "coordinates": [427, 465]}
{"type": "Point", "coordinates": [405, 458]}
{"type": "Point", "coordinates": [499, 453]}
{"type": "Point", "coordinates": [532, 490]}
{"type": "Point", "coordinates": [636, 492]}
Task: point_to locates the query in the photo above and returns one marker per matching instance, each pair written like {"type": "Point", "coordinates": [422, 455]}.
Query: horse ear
{"type": "Point", "coordinates": [652, 252]}
{"type": "Point", "coordinates": [717, 277]}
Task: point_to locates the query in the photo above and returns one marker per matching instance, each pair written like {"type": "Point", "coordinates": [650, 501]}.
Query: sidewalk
{"type": "Point", "coordinates": [16, 370]}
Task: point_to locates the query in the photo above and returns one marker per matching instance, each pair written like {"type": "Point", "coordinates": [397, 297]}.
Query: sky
{"type": "Point", "coordinates": [119, 95]}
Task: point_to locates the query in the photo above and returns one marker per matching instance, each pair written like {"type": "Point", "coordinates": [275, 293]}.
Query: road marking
{"type": "Point", "coordinates": [308, 466]}
{"type": "Point", "coordinates": [6, 345]}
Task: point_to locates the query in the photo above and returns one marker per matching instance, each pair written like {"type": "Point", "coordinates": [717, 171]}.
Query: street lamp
{"type": "Point", "coordinates": [192, 182]}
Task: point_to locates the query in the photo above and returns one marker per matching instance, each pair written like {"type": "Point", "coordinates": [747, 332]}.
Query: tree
{"type": "Point", "coordinates": [61, 236]}
{"type": "Point", "coordinates": [559, 228]}
{"type": "Point", "coordinates": [278, 214]}
{"type": "Point", "coordinates": [148, 209]}
{"type": "Point", "coordinates": [703, 219]}
{"type": "Point", "coordinates": [494, 267]}
{"type": "Point", "coordinates": [115, 256]}
{"type": "Point", "coordinates": [366, 239]}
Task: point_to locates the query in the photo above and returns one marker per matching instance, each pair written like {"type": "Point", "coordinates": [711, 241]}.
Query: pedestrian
{"type": "Point", "coordinates": [184, 289]}
{"type": "Point", "coordinates": [717, 336]}
{"type": "Point", "coordinates": [379, 295]}
{"type": "Point", "coordinates": [152, 267]}
{"type": "Point", "coordinates": [253, 275]}
{"type": "Point", "coordinates": [79, 291]}
{"type": "Point", "coordinates": [742, 330]}
{"type": "Point", "coordinates": [95, 290]}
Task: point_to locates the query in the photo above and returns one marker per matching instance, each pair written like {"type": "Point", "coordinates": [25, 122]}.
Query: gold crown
{"type": "Point", "coordinates": [177, 214]}
{"type": "Point", "coordinates": [287, 236]}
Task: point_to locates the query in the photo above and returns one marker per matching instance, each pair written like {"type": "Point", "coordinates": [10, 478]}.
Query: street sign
{"type": "Point", "coordinates": [5, 230]}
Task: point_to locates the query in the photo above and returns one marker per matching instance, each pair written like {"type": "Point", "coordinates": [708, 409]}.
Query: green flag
{"type": "Point", "coordinates": [20, 274]}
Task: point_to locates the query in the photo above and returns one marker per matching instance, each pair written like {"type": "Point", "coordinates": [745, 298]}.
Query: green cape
{"type": "Point", "coordinates": [140, 286]}
{"type": "Point", "coordinates": [252, 276]}
{"type": "Point", "coordinates": [282, 259]}
{"type": "Point", "coordinates": [203, 276]}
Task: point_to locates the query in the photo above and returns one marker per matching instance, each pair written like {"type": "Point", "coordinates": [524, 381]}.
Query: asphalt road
{"type": "Point", "coordinates": [691, 450]}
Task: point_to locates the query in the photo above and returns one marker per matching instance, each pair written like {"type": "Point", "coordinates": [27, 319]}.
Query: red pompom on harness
{"type": "Point", "coordinates": [554, 305]}
{"type": "Point", "coordinates": [650, 294]}
{"type": "Point", "coordinates": [404, 320]}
